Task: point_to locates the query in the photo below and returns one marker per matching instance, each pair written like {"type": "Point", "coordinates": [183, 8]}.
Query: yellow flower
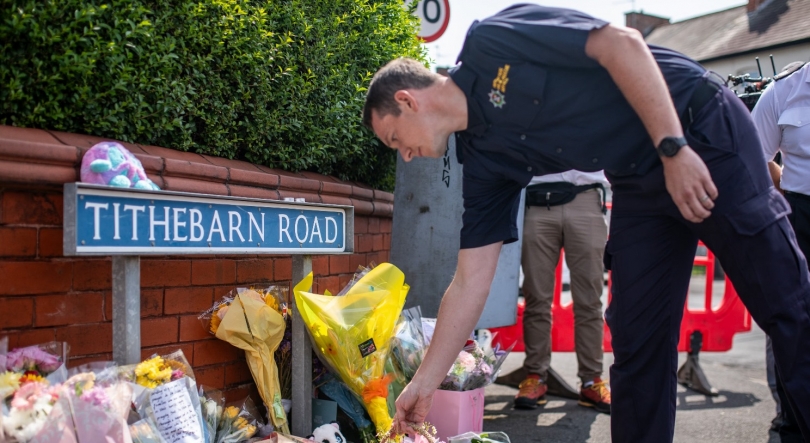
{"type": "Point", "coordinates": [250, 431]}
{"type": "Point", "coordinates": [9, 382]}
{"type": "Point", "coordinates": [271, 301]}
{"type": "Point", "coordinates": [30, 376]}
{"type": "Point", "coordinates": [240, 422]}
{"type": "Point", "coordinates": [217, 316]}
{"type": "Point", "coordinates": [153, 372]}
{"type": "Point", "coordinates": [230, 412]}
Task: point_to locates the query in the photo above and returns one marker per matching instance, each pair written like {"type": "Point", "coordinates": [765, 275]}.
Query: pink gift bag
{"type": "Point", "coordinates": [455, 412]}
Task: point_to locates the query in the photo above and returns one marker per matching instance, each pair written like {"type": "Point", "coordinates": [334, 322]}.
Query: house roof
{"type": "Point", "coordinates": [735, 31]}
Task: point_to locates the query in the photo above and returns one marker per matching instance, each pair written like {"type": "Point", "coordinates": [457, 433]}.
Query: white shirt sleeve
{"type": "Point", "coordinates": [766, 118]}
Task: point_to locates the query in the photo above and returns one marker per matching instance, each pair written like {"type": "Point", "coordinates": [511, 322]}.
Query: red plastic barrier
{"type": "Point", "coordinates": [718, 325]}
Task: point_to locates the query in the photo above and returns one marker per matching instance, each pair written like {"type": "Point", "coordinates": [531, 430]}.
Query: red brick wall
{"type": "Point", "coordinates": [45, 296]}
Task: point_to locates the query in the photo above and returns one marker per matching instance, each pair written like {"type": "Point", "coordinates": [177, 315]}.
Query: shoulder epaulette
{"type": "Point", "coordinates": [789, 69]}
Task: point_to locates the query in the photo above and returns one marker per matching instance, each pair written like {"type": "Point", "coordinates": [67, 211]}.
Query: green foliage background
{"type": "Point", "coordinates": [279, 83]}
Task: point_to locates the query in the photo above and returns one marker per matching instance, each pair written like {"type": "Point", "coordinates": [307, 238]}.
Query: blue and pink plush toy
{"type": "Point", "coordinates": [111, 164]}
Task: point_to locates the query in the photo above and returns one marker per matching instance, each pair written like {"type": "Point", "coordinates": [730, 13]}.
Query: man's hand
{"type": "Point", "coordinates": [459, 311]}
{"type": "Point", "coordinates": [413, 405]}
{"type": "Point", "coordinates": [689, 184]}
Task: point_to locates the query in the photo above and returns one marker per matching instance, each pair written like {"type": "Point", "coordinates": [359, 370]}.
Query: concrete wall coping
{"type": "Point", "coordinates": [42, 157]}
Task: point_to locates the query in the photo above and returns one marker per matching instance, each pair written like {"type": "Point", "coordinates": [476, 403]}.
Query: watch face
{"type": "Point", "coordinates": [670, 146]}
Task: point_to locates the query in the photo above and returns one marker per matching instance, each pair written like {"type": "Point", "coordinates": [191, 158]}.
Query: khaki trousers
{"type": "Point", "coordinates": [579, 227]}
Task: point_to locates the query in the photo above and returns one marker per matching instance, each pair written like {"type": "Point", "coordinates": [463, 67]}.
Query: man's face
{"type": "Point", "coordinates": [409, 134]}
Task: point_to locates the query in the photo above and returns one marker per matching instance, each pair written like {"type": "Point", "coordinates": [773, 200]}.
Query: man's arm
{"type": "Point", "coordinates": [628, 60]}
{"type": "Point", "coordinates": [776, 175]}
{"type": "Point", "coordinates": [459, 312]}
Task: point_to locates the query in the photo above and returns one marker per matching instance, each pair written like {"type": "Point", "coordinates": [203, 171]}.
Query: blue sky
{"type": "Point", "coordinates": [462, 13]}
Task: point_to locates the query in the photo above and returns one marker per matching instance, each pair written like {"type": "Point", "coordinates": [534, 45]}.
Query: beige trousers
{"type": "Point", "coordinates": [579, 227]}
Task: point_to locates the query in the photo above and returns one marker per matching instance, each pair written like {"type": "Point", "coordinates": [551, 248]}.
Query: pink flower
{"type": "Point", "coordinates": [466, 361]}
{"type": "Point", "coordinates": [96, 396]}
{"type": "Point", "coordinates": [177, 374]}
{"type": "Point", "coordinates": [30, 393]}
{"type": "Point", "coordinates": [32, 358]}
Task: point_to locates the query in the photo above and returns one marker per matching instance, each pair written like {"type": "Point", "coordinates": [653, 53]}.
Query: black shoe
{"type": "Point", "coordinates": [776, 423]}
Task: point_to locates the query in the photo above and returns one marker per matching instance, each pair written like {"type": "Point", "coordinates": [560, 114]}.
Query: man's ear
{"type": "Point", "coordinates": [406, 100]}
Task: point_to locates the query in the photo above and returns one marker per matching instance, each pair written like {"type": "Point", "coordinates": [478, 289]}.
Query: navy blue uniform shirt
{"type": "Point", "coordinates": [537, 104]}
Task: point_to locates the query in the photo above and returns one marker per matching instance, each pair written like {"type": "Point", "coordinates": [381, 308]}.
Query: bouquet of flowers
{"type": "Point", "coordinates": [351, 333]}
{"type": "Point", "coordinates": [237, 423]}
{"type": "Point", "coordinates": [255, 321]}
{"type": "Point", "coordinates": [211, 402]}
{"type": "Point", "coordinates": [39, 361]}
{"type": "Point", "coordinates": [474, 368]}
{"type": "Point", "coordinates": [29, 409]}
{"type": "Point", "coordinates": [29, 388]}
{"type": "Point", "coordinates": [92, 408]}
{"type": "Point", "coordinates": [165, 397]}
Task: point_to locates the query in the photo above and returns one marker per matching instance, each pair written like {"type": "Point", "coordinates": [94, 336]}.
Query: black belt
{"type": "Point", "coordinates": [797, 195]}
{"type": "Point", "coordinates": [560, 193]}
{"type": "Point", "coordinates": [704, 92]}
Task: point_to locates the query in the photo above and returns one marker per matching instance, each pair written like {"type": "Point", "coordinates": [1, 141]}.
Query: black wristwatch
{"type": "Point", "coordinates": [670, 146]}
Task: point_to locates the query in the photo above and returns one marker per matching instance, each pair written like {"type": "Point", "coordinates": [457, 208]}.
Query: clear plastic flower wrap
{"type": "Point", "coordinates": [143, 431]}
{"type": "Point", "coordinates": [358, 274]}
{"type": "Point", "coordinates": [474, 368]}
{"type": "Point", "coordinates": [238, 422]}
{"type": "Point", "coordinates": [3, 352]}
{"type": "Point", "coordinates": [211, 404]}
{"type": "Point", "coordinates": [484, 437]}
{"type": "Point", "coordinates": [408, 344]}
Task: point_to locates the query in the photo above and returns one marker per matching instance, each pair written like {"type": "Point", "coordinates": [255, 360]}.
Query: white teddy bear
{"type": "Point", "coordinates": [328, 433]}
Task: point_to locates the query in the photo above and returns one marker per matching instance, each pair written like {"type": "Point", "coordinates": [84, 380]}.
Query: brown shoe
{"type": "Point", "coordinates": [596, 396]}
{"type": "Point", "coordinates": [532, 393]}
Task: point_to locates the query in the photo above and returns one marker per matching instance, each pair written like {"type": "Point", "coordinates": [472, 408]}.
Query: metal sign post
{"type": "Point", "coordinates": [129, 223]}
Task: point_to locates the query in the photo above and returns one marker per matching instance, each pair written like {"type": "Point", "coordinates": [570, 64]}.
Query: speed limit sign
{"type": "Point", "coordinates": [434, 16]}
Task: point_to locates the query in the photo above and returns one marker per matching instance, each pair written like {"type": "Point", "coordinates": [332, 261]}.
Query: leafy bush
{"type": "Point", "coordinates": [279, 83]}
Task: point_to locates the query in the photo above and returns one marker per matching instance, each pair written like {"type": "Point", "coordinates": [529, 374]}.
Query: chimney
{"type": "Point", "coordinates": [645, 23]}
{"type": "Point", "coordinates": [754, 4]}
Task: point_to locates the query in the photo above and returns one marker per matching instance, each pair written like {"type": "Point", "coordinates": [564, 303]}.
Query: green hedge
{"type": "Point", "coordinates": [279, 83]}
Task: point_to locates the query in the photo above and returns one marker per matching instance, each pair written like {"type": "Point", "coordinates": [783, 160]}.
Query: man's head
{"type": "Point", "coordinates": [398, 109]}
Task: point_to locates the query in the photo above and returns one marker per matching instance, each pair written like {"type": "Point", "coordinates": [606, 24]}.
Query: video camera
{"type": "Point", "coordinates": [752, 86]}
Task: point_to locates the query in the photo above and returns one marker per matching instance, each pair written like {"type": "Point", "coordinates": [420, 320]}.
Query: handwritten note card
{"type": "Point", "coordinates": [175, 415]}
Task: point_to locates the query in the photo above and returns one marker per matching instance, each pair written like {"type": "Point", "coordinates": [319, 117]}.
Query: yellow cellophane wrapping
{"type": "Point", "coordinates": [339, 326]}
{"type": "Point", "coordinates": [255, 327]}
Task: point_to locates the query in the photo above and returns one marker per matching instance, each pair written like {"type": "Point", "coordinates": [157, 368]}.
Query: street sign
{"type": "Point", "coordinates": [434, 15]}
{"type": "Point", "coordinates": [128, 223]}
{"type": "Point", "coordinates": [109, 221]}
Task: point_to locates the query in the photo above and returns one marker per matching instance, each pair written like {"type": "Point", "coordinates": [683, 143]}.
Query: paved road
{"type": "Point", "coordinates": [742, 412]}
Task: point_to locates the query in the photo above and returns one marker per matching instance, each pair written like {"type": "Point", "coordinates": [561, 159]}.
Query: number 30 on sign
{"type": "Point", "coordinates": [434, 15]}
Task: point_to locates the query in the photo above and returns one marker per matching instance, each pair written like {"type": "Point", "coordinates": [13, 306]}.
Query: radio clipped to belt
{"type": "Point", "coordinates": [560, 193]}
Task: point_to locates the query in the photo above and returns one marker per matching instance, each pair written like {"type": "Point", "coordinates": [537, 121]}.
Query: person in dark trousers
{"type": "Point", "coordinates": [782, 118]}
{"type": "Point", "coordinates": [543, 90]}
